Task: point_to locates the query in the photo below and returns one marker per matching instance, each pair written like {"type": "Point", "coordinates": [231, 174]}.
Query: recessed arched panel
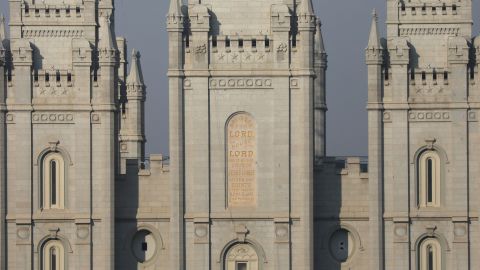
{"type": "Point", "coordinates": [429, 179]}
{"type": "Point", "coordinates": [242, 257]}
{"type": "Point", "coordinates": [53, 181]}
{"type": "Point", "coordinates": [241, 161]}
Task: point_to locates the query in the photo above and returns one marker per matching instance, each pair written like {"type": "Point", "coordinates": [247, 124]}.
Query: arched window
{"type": "Point", "coordinates": [430, 255]}
{"type": "Point", "coordinates": [429, 175]}
{"type": "Point", "coordinates": [53, 182]}
{"type": "Point", "coordinates": [242, 257]}
{"type": "Point", "coordinates": [53, 256]}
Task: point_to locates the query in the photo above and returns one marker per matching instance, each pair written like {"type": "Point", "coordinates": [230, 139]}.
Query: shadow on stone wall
{"type": "Point", "coordinates": [127, 205]}
{"type": "Point", "coordinates": [327, 204]}
{"type": "Point", "coordinates": [340, 187]}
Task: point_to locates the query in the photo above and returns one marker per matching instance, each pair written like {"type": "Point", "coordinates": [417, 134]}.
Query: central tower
{"type": "Point", "coordinates": [243, 76]}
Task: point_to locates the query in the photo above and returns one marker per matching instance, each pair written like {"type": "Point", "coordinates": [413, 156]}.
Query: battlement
{"type": "Point", "coordinates": [228, 15]}
{"type": "Point", "coordinates": [429, 17]}
{"type": "Point", "coordinates": [52, 11]}
{"type": "Point", "coordinates": [428, 9]}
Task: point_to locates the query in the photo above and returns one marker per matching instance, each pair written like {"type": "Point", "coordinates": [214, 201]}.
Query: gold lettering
{"type": "Point", "coordinates": [242, 185]}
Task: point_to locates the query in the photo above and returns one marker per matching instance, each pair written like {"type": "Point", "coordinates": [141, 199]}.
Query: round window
{"type": "Point", "coordinates": [341, 245]}
{"type": "Point", "coordinates": [144, 246]}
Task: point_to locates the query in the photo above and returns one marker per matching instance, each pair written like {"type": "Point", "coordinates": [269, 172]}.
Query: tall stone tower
{"type": "Point", "coordinates": [423, 136]}
{"type": "Point", "coordinates": [242, 81]}
{"type": "Point", "coordinates": [2, 142]}
{"type": "Point", "coordinates": [59, 135]}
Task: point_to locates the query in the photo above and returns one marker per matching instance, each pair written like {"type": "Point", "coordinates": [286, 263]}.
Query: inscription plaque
{"type": "Point", "coordinates": [241, 161]}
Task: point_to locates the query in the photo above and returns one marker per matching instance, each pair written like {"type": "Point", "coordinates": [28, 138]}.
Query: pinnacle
{"type": "Point", "coordinates": [135, 76]}
{"type": "Point", "coordinates": [319, 38]}
{"type": "Point", "coordinates": [374, 39]}
{"type": "Point", "coordinates": [3, 33]}
{"type": "Point", "coordinates": [306, 7]}
{"type": "Point", "coordinates": [106, 38]}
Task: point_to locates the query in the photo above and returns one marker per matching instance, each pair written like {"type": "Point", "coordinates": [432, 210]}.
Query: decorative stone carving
{"type": "Point", "coordinates": [187, 84]}
{"type": "Point", "coordinates": [294, 83]}
{"type": "Point", "coordinates": [424, 31]}
{"type": "Point", "coordinates": [83, 232]}
{"type": "Point", "coordinates": [430, 142]}
{"type": "Point", "coordinates": [241, 230]}
{"type": "Point", "coordinates": [53, 33]}
{"type": "Point", "coordinates": [460, 229]}
{"type": "Point", "coordinates": [244, 254]}
{"type": "Point", "coordinates": [54, 232]}
{"type": "Point", "coordinates": [400, 232]}
{"type": "Point", "coordinates": [241, 83]}
{"type": "Point", "coordinates": [431, 230]}
{"type": "Point", "coordinates": [52, 91]}
{"type": "Point", "coordinates": [53, 118]}
{"type": "Point", "coordinates": [201, 49]}
{"type": "Point", "coordinates": [282, 48]}
{"type": "Point", "coordinates": [387, 117]}
{"type": "Point", "coordinates": [23, 233]}
{"type": "Point", "coordinates": [201, 232]}
{"type": "Point", "coordinates": [282, 232]}
{"type": "Point", "coordinates": [429, 116]}
{"type": "Point", "coordinates": [10, 118]}
{"type": "Point", "coordinates": [95, 118]}
{"type": "Point", "coordinates": [54, 146]}
{"type": "Point", "coordinates": [472, 116]}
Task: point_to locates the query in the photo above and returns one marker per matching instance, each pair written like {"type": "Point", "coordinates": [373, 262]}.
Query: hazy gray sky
{"type": "Point", "coordinates": [346, 26]}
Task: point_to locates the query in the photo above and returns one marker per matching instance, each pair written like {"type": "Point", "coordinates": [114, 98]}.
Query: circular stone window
{"type": "Point", "coordinates": [144, 246]}
{"type": "Point", "coordinates": [342, 245]}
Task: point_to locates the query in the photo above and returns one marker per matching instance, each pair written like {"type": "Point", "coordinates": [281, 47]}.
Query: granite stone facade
{"type": "Point", "coordinates": [247, 185]}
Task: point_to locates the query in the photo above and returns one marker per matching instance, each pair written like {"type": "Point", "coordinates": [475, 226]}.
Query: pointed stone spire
{"type": "Point", "coordinates": [319, 38]}
{"type": "Point", "coordinates": [135, 77]}
{"type": "Point", "coordinates": [107, 40]}
{"type": "Point", "coordinates": [374, 39]}
{"type": "Point", "coordinates": [305, 7]}
{"type": "Point", "coordinates": [3, 32]}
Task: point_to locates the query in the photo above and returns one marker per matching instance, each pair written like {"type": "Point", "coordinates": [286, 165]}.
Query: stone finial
{"type": "Point", "coordinates": [305, 7]}
{"type": "Point", "coordinates": [135, 77]}
{"type": "Point", "coordinates": [107, 40]}
{"type": "Point", "coordinates": [319, 38]}
{"type": "Point", "coordinates": [374, 39]}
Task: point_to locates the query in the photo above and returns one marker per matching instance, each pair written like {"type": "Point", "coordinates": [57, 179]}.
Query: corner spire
{"type": "Point", "coordinates": [3, 32]}
{"type": "Point", "coordinates": [106, 35]}
{"type": "Point", "coordinates": [319, 38]}
{"type": "Point", "coordinates": [135, 77]}
{"type": "Point", "coordinates": [374, 39]}
{"type": "Point", "coordinates": [305, 7]}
